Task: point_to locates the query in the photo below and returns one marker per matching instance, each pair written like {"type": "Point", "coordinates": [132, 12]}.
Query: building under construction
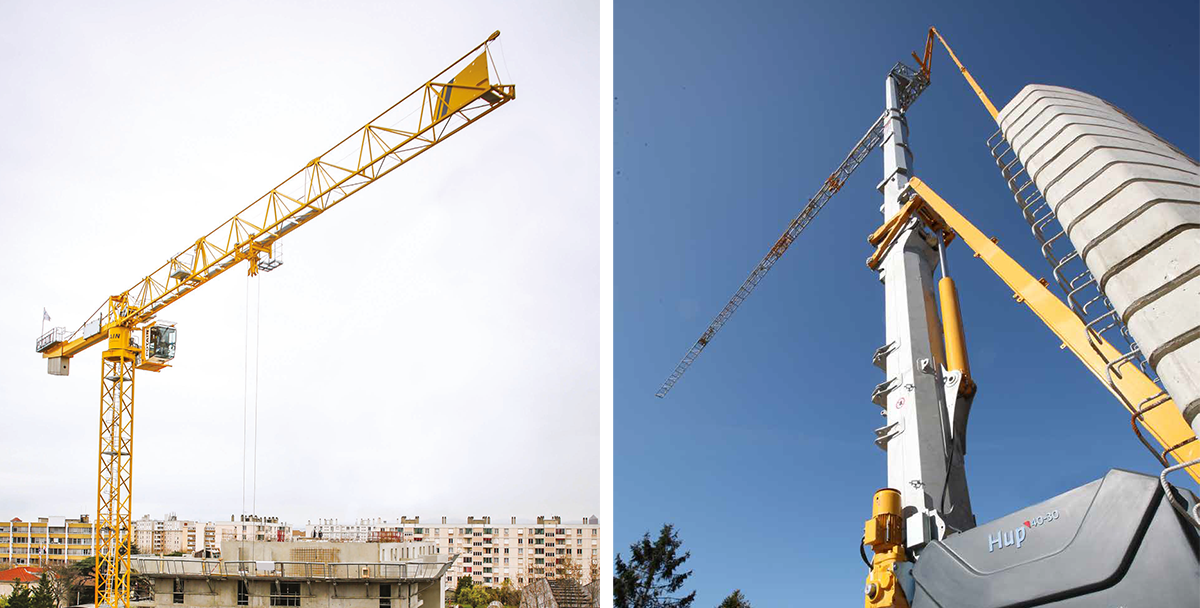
{"type": "Point", "coordinates": [354, 575]}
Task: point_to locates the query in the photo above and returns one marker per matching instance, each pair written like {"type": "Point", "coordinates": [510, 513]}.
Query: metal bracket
{"type": "Point", "coordinates": [884, 434]}
{"type": "Point", "coordinates": [925, 366]}
{"type": "Point", "coordinates": [881, 353]}
{"type": "Point", "coordinates": [879, 395]}
{"type": "Point", "coordinates": [951, 378]}
{"type": "Point", "coordinates": [903, 572]}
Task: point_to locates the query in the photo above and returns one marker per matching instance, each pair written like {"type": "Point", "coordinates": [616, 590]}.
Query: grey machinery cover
{"type": "Point", "coordinates": [1115, 543]}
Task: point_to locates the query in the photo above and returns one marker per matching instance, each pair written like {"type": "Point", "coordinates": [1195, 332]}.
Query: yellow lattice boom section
{"type": "Point", "coordinates": [454, 98]}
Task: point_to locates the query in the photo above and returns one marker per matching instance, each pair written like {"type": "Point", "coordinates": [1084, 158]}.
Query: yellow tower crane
{"type": "Point", "coordinates": [126, 322]}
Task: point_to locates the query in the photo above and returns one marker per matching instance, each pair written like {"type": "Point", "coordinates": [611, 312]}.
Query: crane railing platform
{"type": "Point", "coordinates": [182, 567]}
{"type": "Point", "coordinates": [56, 335]}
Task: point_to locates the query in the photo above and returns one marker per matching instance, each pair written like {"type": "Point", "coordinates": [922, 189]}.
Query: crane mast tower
{"type": "Point", "coordinates": [925, 409]}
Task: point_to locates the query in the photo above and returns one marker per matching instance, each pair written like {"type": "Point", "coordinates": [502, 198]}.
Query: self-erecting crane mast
{"type": "Point", "coordinates": [454, 98]}
{"type": "Point", "coordinates": [928, 392]}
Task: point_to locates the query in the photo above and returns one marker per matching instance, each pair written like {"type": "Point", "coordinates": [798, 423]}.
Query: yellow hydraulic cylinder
{"type": "Point", "coordinates": [952, 329]}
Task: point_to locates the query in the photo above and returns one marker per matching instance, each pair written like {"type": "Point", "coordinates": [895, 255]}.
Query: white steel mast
{"type": "Point", "coordinates": [920, 396]}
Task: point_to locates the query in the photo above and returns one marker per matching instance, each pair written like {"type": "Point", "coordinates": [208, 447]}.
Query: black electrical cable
{"type": "Point", "coordinates": [946, 485]}
{"type": "Point", "coordinates": [862, 552]}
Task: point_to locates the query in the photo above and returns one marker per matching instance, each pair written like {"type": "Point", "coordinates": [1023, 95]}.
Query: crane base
{"type": "Point", "coordinates": [1113, 542]}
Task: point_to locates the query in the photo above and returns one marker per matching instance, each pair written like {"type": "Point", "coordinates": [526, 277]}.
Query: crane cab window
{"type": "Point", "coordinates": [160, 343]}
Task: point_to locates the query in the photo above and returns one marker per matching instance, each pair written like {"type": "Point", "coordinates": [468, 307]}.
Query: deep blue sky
{"type": "Point", "coordinates": [728, 117]}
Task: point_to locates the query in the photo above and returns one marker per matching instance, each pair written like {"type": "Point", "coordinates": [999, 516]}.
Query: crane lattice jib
{"type": "Point", "coordinates": [416, 123]}
{"type": "Point", "coordinates": [913, 83]}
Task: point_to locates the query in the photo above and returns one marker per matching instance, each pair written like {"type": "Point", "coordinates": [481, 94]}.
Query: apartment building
{"type": "Point", "coordinates": [173, 535]}
{"type": "Point", "coordinates": [490, 553]}
{"type": "Point", "coordinates": [52, 540]}
{"type": "Point", "coordinates": [254, 527]}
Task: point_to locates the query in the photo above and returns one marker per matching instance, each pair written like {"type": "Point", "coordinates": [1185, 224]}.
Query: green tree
{"type": "Point", "coordinates": [463, 583]}
{"type": "Point", "coordinates": [43, 594]}
{"type": "Point", "coordinates": [82, 589]}
{"type": "Point", "coordinates": [654, 573]}
{"type": "Point", "coordinates": [460, 591]}
{"type": "Point", "coordinates": [507, 594]}
{"type": "Point", "coordinates": [569, 568]}
{"type": "Point", "coordinates": [72, 582]}
{"type": "Point", "coordinates": [476, 596]}
{"type": "Point", "coordinates": [735, 600]}
{"type": "Point", "coordinates": [60, 582]}
{"type": "Point", "coordinates": [24, 596]}
{"type": "Point", "coordinates": [21, 597]}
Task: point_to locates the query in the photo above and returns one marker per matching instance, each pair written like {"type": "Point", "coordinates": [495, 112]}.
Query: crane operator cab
{"type": "Point", "coordinates": [159, 341]}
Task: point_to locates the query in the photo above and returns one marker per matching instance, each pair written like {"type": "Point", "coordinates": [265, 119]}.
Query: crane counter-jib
{"type": "Point", "coordinates": [426, 116]}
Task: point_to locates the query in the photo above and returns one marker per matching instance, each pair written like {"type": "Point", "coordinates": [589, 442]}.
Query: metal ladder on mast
{"type": "Point", "coordinates": [1077, 283]}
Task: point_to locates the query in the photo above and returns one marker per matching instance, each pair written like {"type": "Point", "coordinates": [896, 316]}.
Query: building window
{"type": "Point", "coordinates": [243, 593]}
{"type": "Point", "coordinates": [385, 596]}
{"type": "Point", "coordinates": [288, 594]}
{"type": "Point", "coordinates": [177, 595]}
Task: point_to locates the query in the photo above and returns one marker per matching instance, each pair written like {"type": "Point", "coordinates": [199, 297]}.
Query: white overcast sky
{"type": "Point", "coordinates": [430, 346]}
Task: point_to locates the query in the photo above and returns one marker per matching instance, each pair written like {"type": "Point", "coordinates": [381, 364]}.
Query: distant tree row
{"type": "Point", "coordinates": [68, 584]}
{"type": "Point", "coordinates": [42, 595]}
{"type": "Point", "coordinates": [467, 593]}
